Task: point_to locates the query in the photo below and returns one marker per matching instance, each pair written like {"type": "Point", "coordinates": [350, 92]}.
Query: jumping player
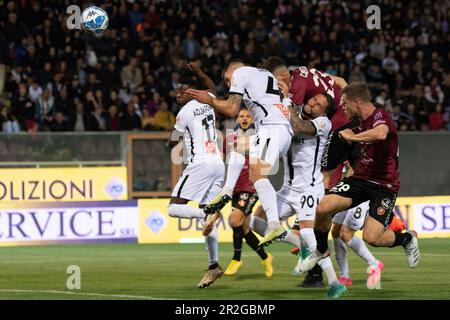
{"type": "Point", "coordinates": [258, 88]}
{"type": "Point", "coordinates": [375, 179]}
{"type": "Point", "coordinates": [202, 179]}
{"type": "Point", "coordinates": [301, 85]}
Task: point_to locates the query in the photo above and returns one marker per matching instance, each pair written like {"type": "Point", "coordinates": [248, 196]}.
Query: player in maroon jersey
{"type": "Point", "coordinates": [375, 179]}
{"type": "Point", "coordinates": [301, 85]}
{"type": "Point", "coordinates": [305, 83]}
{"type": "Point", "coordinates": [243, 200]}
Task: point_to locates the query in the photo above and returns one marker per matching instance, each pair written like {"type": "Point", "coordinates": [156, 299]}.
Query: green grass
{"type": "Point", "coordinates": [172, 271]}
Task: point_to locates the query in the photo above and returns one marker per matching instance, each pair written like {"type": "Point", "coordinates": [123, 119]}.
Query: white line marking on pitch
{"type": "Point", "coordinates": [85, 294]}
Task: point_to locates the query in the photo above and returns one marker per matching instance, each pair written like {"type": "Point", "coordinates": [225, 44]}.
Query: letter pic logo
{"type": "Point", "coordinates": [155, 221]}
{"type": "Point", "coordinates": [115, 188]}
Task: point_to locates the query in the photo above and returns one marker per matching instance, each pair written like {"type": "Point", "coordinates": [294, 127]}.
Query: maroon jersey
{"type": "Point", "coordinates": [243, 183]}
{"type": "Point", "coordinates": [307, 83]}
{"type": "Point", "coordinates": [379, 160]}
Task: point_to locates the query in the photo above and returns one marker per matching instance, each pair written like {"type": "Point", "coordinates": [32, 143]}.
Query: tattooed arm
{"type": "Point", "coordinates": [229, 107]}
{"type": "Point", "coordinates": [300, 126]}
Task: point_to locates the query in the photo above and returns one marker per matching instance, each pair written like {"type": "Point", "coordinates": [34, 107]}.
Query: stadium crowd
{"type": "Point", "coordinates": [55, 79]}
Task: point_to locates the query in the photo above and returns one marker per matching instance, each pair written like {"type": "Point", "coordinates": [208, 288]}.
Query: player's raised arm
{"type": "Point", "coordinates": [194, 67]}
{"type": "Point", "coordinates": [229, 107]}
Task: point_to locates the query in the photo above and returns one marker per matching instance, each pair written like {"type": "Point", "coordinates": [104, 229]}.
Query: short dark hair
{"type": "Point", "coordinates": [331, 108]}
{"type": "Point", "coordinates": [190, 81]}
{"type": "Point", "coordinates": [357, 90]}
{"type": "Point", "coordinates": [273, 63]}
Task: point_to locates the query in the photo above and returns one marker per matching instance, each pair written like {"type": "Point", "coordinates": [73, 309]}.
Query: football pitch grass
{"type": "Point", "coordinates": [172, 271]}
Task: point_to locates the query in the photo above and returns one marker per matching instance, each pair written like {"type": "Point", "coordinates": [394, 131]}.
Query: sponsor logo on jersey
{"type": "Point", "coordinates": [380, 211]}
{"type": "Point", "coordinates": [244, 196]}
{"type": "Point", "coordinates": [386, 203]}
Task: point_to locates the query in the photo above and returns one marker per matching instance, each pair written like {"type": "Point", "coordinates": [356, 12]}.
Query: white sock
{"type": "Point", "coordinates": [309, 238]}
{"type": "Point", "coordinates": [291, 238]}
{"type": "Point", "coordinates": [258, 225]}
{"type": "Point", "coordinates": [268, 199]}
{"type": "Point", "coordinates": [361, 250]}
{"type": "Point", "coordinates": [327, 267]}
{"type": "Point", "coordinates": [212, 246]}
{"type": "Point", "coordinates": [185, 211]}
{"type": "Point", "coordinates": [236, 162]}
{"type": "Point", "coordinates": [340, 250]}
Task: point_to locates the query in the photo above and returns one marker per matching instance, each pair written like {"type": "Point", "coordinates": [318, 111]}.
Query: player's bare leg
{"type": "Point", "coordinates": [376, 235]}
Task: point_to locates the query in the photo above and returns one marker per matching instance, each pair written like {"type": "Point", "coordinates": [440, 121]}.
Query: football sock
{"type": "Point", "coordinates": [327, 267]}
{"type": "Point", "coordinates": [212, 247]}
{"type": "Point", "coordinates": [238, 234]}
{"type": "Point", "coordinates": [322, 240]}
{"type": "Point", "coordinates": [253, 243]}
{"type": "Point", "coordinates": [291, 238]}
{"type": "Point", "coordinates": [340, 250]}
{"type": "Point", "coordinates": [401, 239]}
{"type": "Point", "coordinates": [185, 211]}
{"type": "Point", "coordinates": [236, 162]}
{"type": "Point", "coordinates": [361, 250]}
{"type": "Point", "coordinates": [268, 198]}
{"type": "Point", "coordinates": [258, 225]}
{"type": "Point", "coordinates": [309, 238]}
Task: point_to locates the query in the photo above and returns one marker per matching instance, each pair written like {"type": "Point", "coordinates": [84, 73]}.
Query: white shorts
{"type": "Point", "coordinates": [270, 143]}
{"type": "Point", "coordinates": [304, 204]}
{"type": "Point", "coordinates": [353, 218]}
{"type": "Point", "coordinates": [200, 182]}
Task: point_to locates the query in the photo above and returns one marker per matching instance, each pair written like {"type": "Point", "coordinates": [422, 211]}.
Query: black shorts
{"type": "Point", "coordinates": [382, 200]}
{"type": "Point", "coordinates": [244, 201]}
{"type": "Point", "coordinates": [338, 150]}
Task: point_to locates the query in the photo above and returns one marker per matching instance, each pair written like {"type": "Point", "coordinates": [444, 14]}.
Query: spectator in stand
{"type": "Point", "coordinates": [437, 119]}
{"type": "Point", "coordinates": [59, 123]}
{"type": "Point", "coordinates": [164, 119]}
{"type": "Point", "coordinates": [433, 92]}
{"type": "Point", "coordinates": [148, 122]}
{"type": "Point", "coordinates": [130, 120]}
{"type": "Point", "coordinates": [112, 119]}
{"type": "Point", "coordinates": [132, 74]}
{"type": "Point", "coordinates": [8, 121]}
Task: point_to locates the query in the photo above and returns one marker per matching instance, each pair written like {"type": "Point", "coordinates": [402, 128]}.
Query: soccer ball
{"type": "Point", "coordinates": [94, 20]}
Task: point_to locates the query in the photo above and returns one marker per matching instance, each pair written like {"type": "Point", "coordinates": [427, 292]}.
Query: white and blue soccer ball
{"type": "Point", "coordinates": [94, 20]}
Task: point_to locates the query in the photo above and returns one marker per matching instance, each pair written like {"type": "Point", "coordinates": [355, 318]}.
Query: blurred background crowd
{"type": "Point", "coordinates": [55, 79]}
